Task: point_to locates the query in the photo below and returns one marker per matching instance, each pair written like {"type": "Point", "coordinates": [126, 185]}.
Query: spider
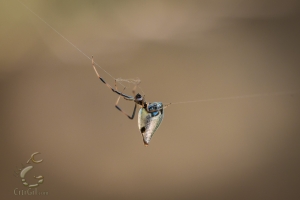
{"type": "Point", "coordinates": [150, 115]}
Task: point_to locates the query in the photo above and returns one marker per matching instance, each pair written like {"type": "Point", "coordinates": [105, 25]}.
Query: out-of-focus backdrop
{"type": "Point", "coordinates": [52, 102]}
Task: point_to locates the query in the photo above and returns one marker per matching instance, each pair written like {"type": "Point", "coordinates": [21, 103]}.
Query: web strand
{"type": "Point", "coordinates": [240, 97]}
{"type": "Point", "coordinates": [73, 45]}
{"type": "Point", "coordinates": [128, 80]}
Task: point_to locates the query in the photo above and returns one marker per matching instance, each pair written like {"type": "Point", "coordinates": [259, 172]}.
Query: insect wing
{"type": "Point", "coordinates": [148, 123]}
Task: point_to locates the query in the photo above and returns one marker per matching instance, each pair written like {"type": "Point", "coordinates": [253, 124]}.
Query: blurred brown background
{"type": "Point", "coordinates": [53, 103]}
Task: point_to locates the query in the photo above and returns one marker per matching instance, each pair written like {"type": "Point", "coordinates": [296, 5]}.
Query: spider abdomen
{"type": "Point", "coordinates": [148, 122]}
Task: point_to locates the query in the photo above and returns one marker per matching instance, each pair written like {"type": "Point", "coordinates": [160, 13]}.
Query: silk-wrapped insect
{"type": "Point", "coordinates": [150, 115]}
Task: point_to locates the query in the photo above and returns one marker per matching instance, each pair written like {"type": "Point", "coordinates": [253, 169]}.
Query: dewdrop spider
{"type": "Point", "coordinates": [150, 115]}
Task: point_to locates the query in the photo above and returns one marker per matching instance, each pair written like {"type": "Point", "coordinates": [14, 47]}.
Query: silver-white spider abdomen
{"type": "Point", "coordinates": [148, 122]}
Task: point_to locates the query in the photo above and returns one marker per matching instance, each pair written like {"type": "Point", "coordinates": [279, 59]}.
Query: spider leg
{"type": "Point", "coordinates": [116, 88]}
{"type": "Point", "coordinates": [134, 89]}
{"type": "Point", "coordinates": [143, 103]}
{"type": "Point", "coordinates": [116, 105]}
{"type": "Point", "coordinates": [112, 89]}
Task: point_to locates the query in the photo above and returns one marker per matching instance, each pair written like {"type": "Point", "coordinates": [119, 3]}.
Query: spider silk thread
{"type": "Point", "coordinates": [241, 97]}
{"type": "Point", "coordinates": [67, 40]}
{"type": "Point", "coordinates": [182, 102]}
